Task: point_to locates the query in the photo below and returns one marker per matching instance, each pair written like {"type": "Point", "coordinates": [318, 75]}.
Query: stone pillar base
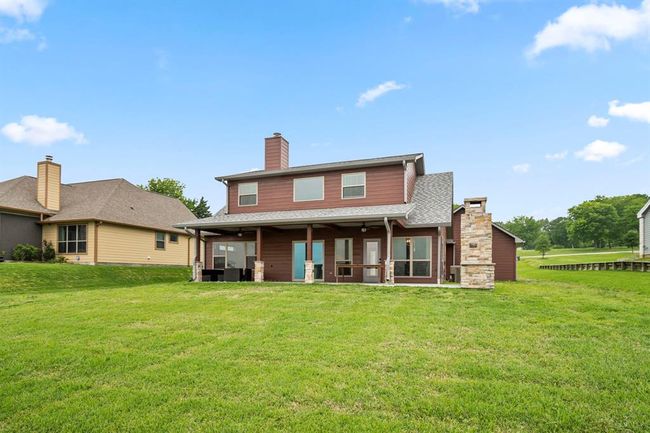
{"type": "Point", "coordinates": [390, 276]}
{"type": "Point", "coordinates": [197, 274]}
{"type": "Point", "coordinates": [477, 275]}
{"type": "Point", "coordinates": [259, 272]}
{"type": "Point", "coordinates": [309, 271]}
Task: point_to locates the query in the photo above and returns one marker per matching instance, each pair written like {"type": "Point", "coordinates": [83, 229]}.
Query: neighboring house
{"type": "Point", "coordinates": [644, 230]}
{"type": "Point", "coordinates": [104, 221]}
{"type": "Point", "coordinates": [504, 249]}
{"type": "Point", "coordinates": [308, 223]}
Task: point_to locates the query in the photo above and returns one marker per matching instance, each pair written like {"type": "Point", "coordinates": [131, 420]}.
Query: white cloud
{"type": "Point", "coordinates": [598, 150]}
{"type": "Point", "coordinates": [597, 122]}
{"type": "Point", "coordinates": [8, 36]}
{"type": "Point", "coordinates": [41, 131]}
{"type": "Point", "coordinates": [521, 168]}
{"type": "Point", "coordinates": [374, 93]}
{"type": "Point", "coordinates": [556, 156]}
{"type": "Point", "coordinates": [639, 112]}
{"type": "Point", "coordinates": [23, 10]}
{"type": "Point", "coordinates": [593, 27]}
{"type": "Point", "coordinates": [470, 6]}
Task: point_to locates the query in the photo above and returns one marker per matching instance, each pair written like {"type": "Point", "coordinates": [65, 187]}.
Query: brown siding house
{"type": "Point", "coordinates": [371, 220]}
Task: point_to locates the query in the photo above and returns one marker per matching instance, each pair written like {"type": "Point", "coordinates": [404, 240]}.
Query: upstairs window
{"type": "Point", "coordinates": [72, 239]}
{"type": "Point", "coordinates": [160, 240]}
{"type": "Point", "coordinates": [309, 188]}
{"type": "Point", "coordinates": [247, 193]}
{"type": "Point", "coordinates": [173, 238]}
{"type": "Point", "coordinates": [353, 185]}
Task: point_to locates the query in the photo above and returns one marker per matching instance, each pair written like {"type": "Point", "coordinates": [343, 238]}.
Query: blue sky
{"type": "Point", "coordinates": [499, 92]}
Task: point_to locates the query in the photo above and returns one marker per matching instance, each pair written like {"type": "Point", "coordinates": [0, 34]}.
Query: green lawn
{"type": "Point", "coordinates": [557, 351]}
{"type": "Point", "coordinates": [624, 250]}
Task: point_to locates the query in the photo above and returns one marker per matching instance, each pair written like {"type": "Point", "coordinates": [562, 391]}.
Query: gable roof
{"type": "Point", "coordinates": [517, 239]}
{"type": "Point", "coordinates": [112, 200]}
{"type": "Point", "coordinates": [433, 198]}
{"type": "Point", "coordinates": [20, 194]}
{"type": "Point", "coordinates": [417, 158]}
{"type": "Point", "coordinates": [643, 210]}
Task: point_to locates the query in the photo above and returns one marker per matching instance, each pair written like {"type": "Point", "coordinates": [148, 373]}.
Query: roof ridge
{"type": "Point", "coordinates": [98, 180]}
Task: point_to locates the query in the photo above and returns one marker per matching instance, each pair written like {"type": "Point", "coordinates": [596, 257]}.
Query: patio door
{"type": "Point", "coordinates": [299, 255]}
{"type": "Point", "coordinates": [371, 251]}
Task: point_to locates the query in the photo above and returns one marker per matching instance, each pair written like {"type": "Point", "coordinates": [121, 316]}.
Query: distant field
{"type": "Point", "coordinates": [524, 253]}
{"type": "Point", "coordinates": [102, 349]}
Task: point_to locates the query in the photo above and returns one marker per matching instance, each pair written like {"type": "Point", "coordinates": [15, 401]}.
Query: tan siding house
{"type": "Point", "coordinates": [106, 221]}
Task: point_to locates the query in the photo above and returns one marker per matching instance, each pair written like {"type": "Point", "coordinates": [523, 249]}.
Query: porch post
{"type": "Point", "coordinates": [389, 265]}
{"type": "Point", "coordinates": [197, 270]}
{"type": "Point", "coordinates": [259, 263]}
{"type": "Point", "coordinates": [309, 264]}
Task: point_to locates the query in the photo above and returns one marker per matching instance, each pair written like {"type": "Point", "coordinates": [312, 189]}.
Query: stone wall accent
{"type": "Point", "coordinates": [390, 278]}
{"type": "Point", "coordinates": [309, 271]}
{"type": "Point", "coordinates": [259, 271]}
{"type": "Point", "coordinates": [477, 266]}
{"type": "Point", "coordinates": [197, 271]}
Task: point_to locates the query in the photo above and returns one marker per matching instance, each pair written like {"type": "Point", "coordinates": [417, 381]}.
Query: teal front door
{"type": "Point", "coordinates": [299, 255]}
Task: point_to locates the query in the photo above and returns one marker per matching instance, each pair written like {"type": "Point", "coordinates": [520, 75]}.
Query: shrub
{"type": "Point", "coordinates": [26, 253]}
{"type": "Point", "coordinates": [48, 252]}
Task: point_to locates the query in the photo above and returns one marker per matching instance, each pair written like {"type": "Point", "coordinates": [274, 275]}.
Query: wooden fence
{"type": "Point", "coordinates": [602, 266]}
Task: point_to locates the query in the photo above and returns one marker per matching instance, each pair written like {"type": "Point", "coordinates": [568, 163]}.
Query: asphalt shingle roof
{"type": "Point", "coordinates": [433, 199]}
{"type": "Point", "coordinates": [418, 158]}
{"type": "Point", "coordinates": [112, 200]}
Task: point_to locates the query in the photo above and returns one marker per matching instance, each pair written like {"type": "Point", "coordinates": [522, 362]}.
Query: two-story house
{"type": "Point", "coordinates": [369, 220]}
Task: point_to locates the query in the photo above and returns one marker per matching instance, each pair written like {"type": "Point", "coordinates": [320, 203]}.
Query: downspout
{"type": "Point", "coordinates": [225, 182]}
{"type": "Point", "coordinates": [389, 241]}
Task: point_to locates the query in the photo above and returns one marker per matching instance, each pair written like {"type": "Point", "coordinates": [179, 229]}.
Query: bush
{"type": "Point", "coordinates": [26, 253]}
{"type": "Point", "coordinates": [48, 252]}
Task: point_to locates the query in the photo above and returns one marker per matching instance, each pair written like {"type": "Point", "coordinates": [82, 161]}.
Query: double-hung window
{"type": "Point", "coordinates": [343, 255]}
{"type": "Point", "coordinates": [247, 193]}
{"type": "Point", "coordinates": [412, 256]}
{"type": "Point", "coordinates": [353, 185]}
{"type": "Point", "coordinates": [72, 239]}
{"type": "Point", "coordinates": [309, 188]}
{"type": "Point", "coordinates": [160, 240]}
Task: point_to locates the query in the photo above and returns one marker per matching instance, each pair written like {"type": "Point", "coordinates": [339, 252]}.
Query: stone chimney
{"type": "Point", "coordinates": [276, 152]}
{"type": "Point", "coordinates": [48, 189]}
{"type": "Point", "coordinates": [476, 264]}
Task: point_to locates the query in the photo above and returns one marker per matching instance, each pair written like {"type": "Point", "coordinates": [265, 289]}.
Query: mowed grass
{"type": "Point", "coordinates": [556, 351]}
{"type": "Point", "coordinates": [554, 251]}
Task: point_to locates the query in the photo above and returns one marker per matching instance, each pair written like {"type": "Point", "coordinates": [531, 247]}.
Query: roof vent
{"type": "Point", "coordinates": [277, 134]}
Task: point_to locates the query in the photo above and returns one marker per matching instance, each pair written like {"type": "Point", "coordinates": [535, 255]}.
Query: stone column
{"type": "Point", "coordinates": [197, 274]}
{"type": "Point", "coordinates": [477, 266]}
{"type": "Point", "coordinates": [259, 271]}
{"type": "Point", "coordinates": [309, 272]}
{"type": "Point", "coordinates": [391, 272]}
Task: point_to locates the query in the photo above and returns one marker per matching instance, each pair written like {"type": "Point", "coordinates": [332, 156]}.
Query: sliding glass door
{"type": "Point", "coordinates": [299, 255]}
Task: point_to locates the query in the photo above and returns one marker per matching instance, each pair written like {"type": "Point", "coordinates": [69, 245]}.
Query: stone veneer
{"type": "Point", "coordinates": [309, 271]}
{"type": "Point", "coordinates": [476, 264]}
{"type": "Point", "coordinates": [259, 272]}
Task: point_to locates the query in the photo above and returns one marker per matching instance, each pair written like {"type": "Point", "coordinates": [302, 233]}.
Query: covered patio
{"type": "Point", "coordinates": [371, 244]}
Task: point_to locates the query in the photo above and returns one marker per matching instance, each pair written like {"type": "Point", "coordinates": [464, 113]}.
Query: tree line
{"type": "Point", "coordinates": [176, 189]}
{"type": "Point", "coordinates": [601, 222]}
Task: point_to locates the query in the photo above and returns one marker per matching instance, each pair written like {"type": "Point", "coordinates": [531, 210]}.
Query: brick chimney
{"type": "Point", "coordinates": [276, 152]}
{"type": "Point", "coordinates": [48, 190]}
{"type": "Point", "coordinates": [476, 264]}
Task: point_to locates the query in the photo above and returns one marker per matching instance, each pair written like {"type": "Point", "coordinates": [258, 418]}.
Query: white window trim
{"type": "Point", "coordinates": [351, 255]}
{"type": "Point", "coordinates": [364, 185]}
{"type": "Point", "coordinates": [411, 260]}
{"type": "Point", "coordinates": [311, 199]}
{"type": "Point", "coordinates": [305, 242]}
{"type": "Point", "coordinates": [239, 194]}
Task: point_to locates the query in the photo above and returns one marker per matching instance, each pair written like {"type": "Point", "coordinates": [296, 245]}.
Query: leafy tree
{"type": "Point", "coordinates": [557, 231]}
{"type": "Point", "coordinates": [543, 244]}
{"type": "Point", "coordinates": [176, 189]}
{"type": "Point", "coordinates": [631, 239]}
{"type": "Point", "coordinates": [527, 228]}
{"type": "Point", "coordinates": [593, 222]}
